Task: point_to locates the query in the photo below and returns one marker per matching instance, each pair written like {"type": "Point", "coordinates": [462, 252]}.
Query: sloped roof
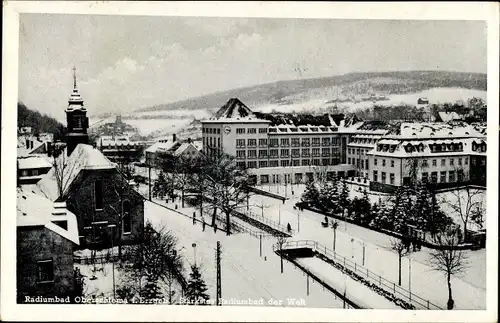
{"type": "Point", "coordinates": [36, 210]}
{"type": "Point", "coordinates": [83, 157]}
{"type": "Point", "coordinates": [162, 146]}
{"type": "Point", "coordinates": [32, 162]}
{"type": "Point", "coordinates": [233, 109]}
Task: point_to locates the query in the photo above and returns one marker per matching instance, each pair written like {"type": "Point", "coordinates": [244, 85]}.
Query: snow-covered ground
{"type": "Point", "coordinates": [469, 289]}
{"type": "Point", "coordinates": [244, 274]}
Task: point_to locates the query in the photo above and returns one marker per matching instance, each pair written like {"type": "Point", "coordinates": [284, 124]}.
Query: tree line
{"type": "Point", "coordinates": [39, 123]}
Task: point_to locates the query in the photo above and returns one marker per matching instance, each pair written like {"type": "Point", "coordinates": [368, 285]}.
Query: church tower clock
{"type": "Point", "coordinates": [76, 119]}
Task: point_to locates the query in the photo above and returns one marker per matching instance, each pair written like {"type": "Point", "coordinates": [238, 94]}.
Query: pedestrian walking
{"type": "Point", "coordinates": [289, 227]}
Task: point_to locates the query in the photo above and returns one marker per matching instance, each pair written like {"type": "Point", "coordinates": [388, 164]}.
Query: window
{"type": "Point", "coordinates": [285, 153]}
{"type": "Point", "coordinates": [264, 179]}
{"type": "Point", "coordinates": [325, 141]}
{"type": "Point", "coordinates": [425, 177]}
{"type": "Point", "coordinates": [316, 141]}
{"type": "Point", "coordinates": [383, 162]}
{"type": "Point", "coordinates": [252, 130]}
{"type": "Point", "coordinates": [326, 162]}
{"type": "Point", "coordinates": [240, 154]}
{"type": "Point", "coordinates": [451, 176]}
{"type": "Point", "coordinates": [305, 152]}
{"type": "Point", "coordinates": [262, 154]}
{"type": "Point", "coordinates": [240, 130]}
{"type": "Point", "coordinates": [273, 163]}
{"type": "Point", "coordinates": [461, 176]}
{"type": "Point", "coordinates": [45, 271]}
{"type": "Point", "coordinates": [127, 219]}
{"type": "Point", "coordinates": [218, 131]}
{"type": "Point", "coordinates": [98, 194]}
{"type": "Point", "coordinates": [357, 163]}
{"type": "Point", "coordinates": [295, 152]}
{"type": "Point", "coordinates": [252, 142]}
{"type": "Point", "coordinates": [252, 164]}
{"type": "Point", "coordinates": [375, 176]}
{"type": "Point", "coordinates": [434, 177]}
{"type": "Point", "coordinates": [442, 177]}
{"type": "Point", "coordinates": [466, 161]}
{"type": "Point", "coordinates": [285, 142]}
{"type": "Point", "coordinates": [285, 163]}
{"type": "Point", "coordinates": [383, 177]}
{"type": "Point", "coordinates": [252, 154]}
{"type": "Point", "coordinates": [262, 142]}
{"type": "Point", "coordinates": [306, 162]}
{"type": "Point", "coordinates": [78, 122]}
{"type": "Point", "coordinates": [262, 130]}
{"type": "Point", "coordinates": [316, 162]}
{"type": "Point", "coordinates": [273, 142]}
{"type": "Point", "coordinates": [392, 178]}
{"type": "Point", "coordinates": [218, 142]}
{"type": "Point", "coordinates": [295, 142]}
{"type": "Point", "coordinates": [273, 153]}
{"type": "Point", "coordinates": [362, 163]}
{"type": "Point", "coordinates": [460, 162]}
{"type": "Point", "coordinates": [262, 163]}
{"type": "Point", "coordinates": [434, 162]}
{"type": "Point", "coordinates": [452, 161]}
{"type": "Point", "coordinates": [211, 141]}
{"type": "Point", "coordinates": [25, 173]}
{"type": "Point", "coordinates": [443, 162]}
{"type": "Point", "coordinates": [325, 152]}
{"type": "Point", "coordinates": [315, 152]}
{"type": "Point", "coordinates": [375, 161]}
{"type": "Point", "coordinates": [424, 163]}
{"type": "Point", "coordinates": [392, 163]}
{"type": "Point", "coordinates": [306, 142]}
{"type": "Point", "coordinates": [366, 164]}
{"type": "Point", "coordinates": [296, 162]}
{"type": "Point", "coordinates": [239, 142]}
{"type": "Point", "coordinates": [349, 160]}
{"type": "Point", "coordinates": [241, 164]}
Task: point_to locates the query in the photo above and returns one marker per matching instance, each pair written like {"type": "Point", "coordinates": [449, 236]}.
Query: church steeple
{"type": "Point", "coordinates": [76, 117]}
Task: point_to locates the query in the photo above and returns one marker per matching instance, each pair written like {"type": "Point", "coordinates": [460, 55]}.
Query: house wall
{"type": "Point", "coordinates": [39, 243]}
{"type": "Point", "coordinates": [81, 201]}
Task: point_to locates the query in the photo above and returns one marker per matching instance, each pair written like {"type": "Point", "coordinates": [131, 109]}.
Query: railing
{"type": "Point", "coordinates": [100, 259]}
{"type": "Point", "coordinates": [365, 273]}
{"type": "Point", "coordinates": [270, 223]}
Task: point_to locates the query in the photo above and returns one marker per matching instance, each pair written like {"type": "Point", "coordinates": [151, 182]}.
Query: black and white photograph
{"type": "Point", "coordinates": [256, 162]}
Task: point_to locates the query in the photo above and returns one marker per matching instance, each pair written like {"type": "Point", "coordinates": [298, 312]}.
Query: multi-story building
{"type": "Point", "coordinates": [438, 153]}
{"type": "Point", "coordinates": [281, 148]}
{"type": "Point", "coordinates": [30, 169]}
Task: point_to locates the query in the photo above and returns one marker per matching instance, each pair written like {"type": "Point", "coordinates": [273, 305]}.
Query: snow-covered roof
{"type": "Point", "coordinates": [161, 146]}
{"type": "Point", "coordinates": [449, 116]}
{"type": "Point", "coordinates": [84, 157]}
{"type": "Point", "coordinates": [435, 130]}
{"type": "Point", "coordinates": [234, 109]}
{"type": "Point", "coordinates": [21, 144]}
{"type": "Point", "coordinates": [36, 210]}
{"type": "Point", "coordinates": [33, 162]}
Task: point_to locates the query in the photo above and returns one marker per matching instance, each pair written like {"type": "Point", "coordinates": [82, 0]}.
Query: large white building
{"type": "Point", "coordinates": [436, 153]}
{"type": "Point", "coordinates": [282, 148]}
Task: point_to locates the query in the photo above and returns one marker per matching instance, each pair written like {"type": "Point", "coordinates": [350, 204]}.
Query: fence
{"type": "Point", "coordinates": [266, 193]}
{"type": "Point", "coordinates": [364, 273]}
{"type": "Point", "coordinates": [99, 259]}
{"type": "Point", "coordinates": [267, 222]}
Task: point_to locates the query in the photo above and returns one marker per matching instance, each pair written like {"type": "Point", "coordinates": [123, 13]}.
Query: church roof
{"type": "Point", "coordinates": [84, 157]}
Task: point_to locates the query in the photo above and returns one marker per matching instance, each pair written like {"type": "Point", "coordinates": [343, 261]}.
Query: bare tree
{"type": "Point", "coordinates": [321, 174]}
{"type": "Point", "coordinates": [448, 259]}
{"type": "Point", "coordinates": [182, 173]}
{"type": "Point", "coordinates": [402, 248]}
{"type": "Point", "coordinates": [465, 202]}
{"type": "Point", "coordinates": [65, 168]}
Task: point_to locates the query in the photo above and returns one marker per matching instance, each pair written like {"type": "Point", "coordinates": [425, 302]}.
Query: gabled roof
{"type": "Point", "coordinates": [84, 157]}
{"type": "Point", "coordinates": [182, 148]}
{"type": "Point", "coordinates": [34, 210]}
{"type": "Point", "coordinates": [33, 162]}
{"type": "Point", "coordinates": [233, 109]}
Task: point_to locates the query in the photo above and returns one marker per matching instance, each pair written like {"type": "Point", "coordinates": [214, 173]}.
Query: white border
{"type": "Point", "coordinates": [415, 10]}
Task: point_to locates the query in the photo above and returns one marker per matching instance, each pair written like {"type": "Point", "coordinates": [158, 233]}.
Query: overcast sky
{"type": "Point", "coordinates": [124, 63]}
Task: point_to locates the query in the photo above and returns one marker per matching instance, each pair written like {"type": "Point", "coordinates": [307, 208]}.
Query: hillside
{"type": "Point", "coordinates": [39, 123]}
{"type": "Point", "coordinates": [284, 92]}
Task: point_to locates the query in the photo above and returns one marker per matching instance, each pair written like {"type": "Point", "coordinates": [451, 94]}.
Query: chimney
{"type": "Point", "coordinates": [174, 137]}
{"type": "Point", "coordinates": [27, 143]}
{"type": "Point", "coordinates": [189, 140]}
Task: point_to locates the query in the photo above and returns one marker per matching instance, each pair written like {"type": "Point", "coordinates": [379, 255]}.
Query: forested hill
{"type": "Point", "coordinates": [39, 123]}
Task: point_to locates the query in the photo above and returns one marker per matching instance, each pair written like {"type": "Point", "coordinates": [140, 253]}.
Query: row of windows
{"type": "Point", "coordinates": [303, 142]}
{"type": "Point", "coordinates": [250, 130]}
{"type": "Point", "coordinates": [211, 130]}
{"type": "Point", "coordinates": [33, 172]}
{"type": "Point", "coordinates": [434, 162]}
{"type": "Point", "coordinates": [306, 152]}
{"type": "Point", "coordinates": [210, 142]}
{"type": "Point", "coordinates": [357, 151]}
{"type": "Point", "coordinates": [453, 176]}
{"type": "Point", "coordinates": [251, 143]}
{"type": "Point", "coordinates": [286, 163]}
{"type": "Point", "coordinates": [359, 163]}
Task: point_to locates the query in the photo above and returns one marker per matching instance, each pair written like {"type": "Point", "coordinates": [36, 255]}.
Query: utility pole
{"type": "Point", "coordinates": [260, 245]}
{"type": "Point", "coordinates": [219, 287]}
{"type": "Point", "coordinates": [409, 276]}
{"type": "Point", "coordinates": [112, 255]}
{"type": "Point", "coordinates": [307, 283]}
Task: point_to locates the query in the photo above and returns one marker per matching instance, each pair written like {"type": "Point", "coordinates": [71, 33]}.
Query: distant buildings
{"type": "Point", "coordinates": [46, 235]}
{"type": "Point", "coordinates": [165, 150]}
{"type": "Point", "coordinates": [117, 128]}
{"type": "Point", "coordinates": [30, 169]}
{"type": "Point", "coordinates": [121, 149]}
{"type": "Point", "coordinates": [423, 101]}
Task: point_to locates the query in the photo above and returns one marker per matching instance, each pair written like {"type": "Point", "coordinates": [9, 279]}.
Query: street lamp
{"type": "Point", "coordinates": [194, 252]}
{"type": "Point", "coordinates": [334, 226]}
